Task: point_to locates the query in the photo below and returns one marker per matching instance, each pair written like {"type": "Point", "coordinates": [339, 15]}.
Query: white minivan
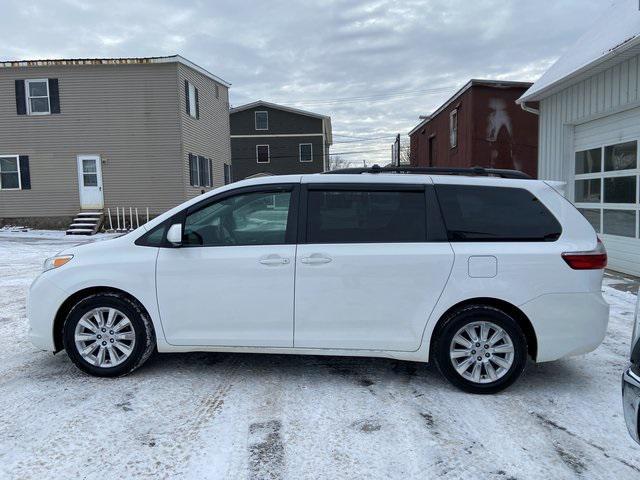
{"type": "Point", "coordinates": [474, 269]}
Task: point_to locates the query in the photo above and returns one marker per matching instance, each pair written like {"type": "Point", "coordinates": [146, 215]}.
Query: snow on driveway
{"type": "Point", "coordinates": [240, 416]}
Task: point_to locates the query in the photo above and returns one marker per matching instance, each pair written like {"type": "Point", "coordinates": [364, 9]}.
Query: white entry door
{"type": "Point", "coordinates": [90, 181]}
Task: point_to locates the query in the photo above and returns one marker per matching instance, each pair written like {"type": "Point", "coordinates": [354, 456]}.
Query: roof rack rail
{"type": "Point", "coordinates": [473, 171]}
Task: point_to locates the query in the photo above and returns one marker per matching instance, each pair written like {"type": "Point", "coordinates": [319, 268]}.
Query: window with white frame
{"type": "Point", "coordinates": [37, 96]}
{"type": "Point", "coordinates": [262, 154]}
{"type": "Point", "coordinates": [262, 120]}
{"type": "Point", "coordinates": [453, 128]}
{"type": "Point", "coordinates": [606, 188]}
{"type": "Point", "coordinates": [9, 172]}
{"type": "Point", "coordinates": [306, 152]}
{"type": "Point", "coordinates": [193, 111]}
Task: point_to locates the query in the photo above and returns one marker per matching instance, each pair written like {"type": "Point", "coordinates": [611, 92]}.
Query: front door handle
{"type": "Point", "coordinates": [315, 259]}
{"type": "Point", "coordinates": [274, 260]}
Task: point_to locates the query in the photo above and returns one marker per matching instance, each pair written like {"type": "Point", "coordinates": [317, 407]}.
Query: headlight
{"type": "Point", "coordinates": [55, 262]}
{"type": "Point", "coordinates": [636, 326]}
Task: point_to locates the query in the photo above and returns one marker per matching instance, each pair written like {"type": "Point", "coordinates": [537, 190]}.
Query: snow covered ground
{"type": "Point", "coordinates": [261, 416]}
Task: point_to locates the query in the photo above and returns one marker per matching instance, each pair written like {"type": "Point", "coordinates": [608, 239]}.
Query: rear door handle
{"type": "Point", "coordinates": [315, 259]}
{"type": "Point", "coordinates": [274, 260]}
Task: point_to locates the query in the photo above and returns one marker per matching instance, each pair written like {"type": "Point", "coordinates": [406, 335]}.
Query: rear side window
{"type": "Point", "coordinates": [495, 214]}
{"type": "Point", "coordinates": [346, 216]}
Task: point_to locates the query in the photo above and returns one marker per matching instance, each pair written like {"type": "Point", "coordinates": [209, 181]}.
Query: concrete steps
{"type": "Point", "coordinates": [86, 223]}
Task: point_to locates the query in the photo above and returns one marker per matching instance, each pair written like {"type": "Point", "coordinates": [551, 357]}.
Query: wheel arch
{"type": "Point", "coordinates": [72, 300]}
{"type": "Point", "coordinates": [518, 315]}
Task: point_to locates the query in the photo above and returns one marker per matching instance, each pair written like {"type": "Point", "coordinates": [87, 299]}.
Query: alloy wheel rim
{"type": "Point", "coordinates": [482, 352]}
{"type": "Point", "coordinates": [105, 337]}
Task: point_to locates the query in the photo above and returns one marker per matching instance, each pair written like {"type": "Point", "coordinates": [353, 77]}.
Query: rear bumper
{"type": "Point", "coordinates": [631, 400]}
{"type": "Point", "coordinates": [567, 324]}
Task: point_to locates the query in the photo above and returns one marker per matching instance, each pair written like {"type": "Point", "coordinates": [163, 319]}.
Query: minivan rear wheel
{"type": "Point", "coordinates": [480, 349]}
{"type": "Point", "coordinates": [108, 335]}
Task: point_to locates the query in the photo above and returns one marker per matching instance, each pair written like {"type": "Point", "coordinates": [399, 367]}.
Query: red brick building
{"type": "Point", "coordinates": [481, 125]}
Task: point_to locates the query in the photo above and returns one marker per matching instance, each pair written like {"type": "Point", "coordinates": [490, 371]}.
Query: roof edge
{"type": "Point", "coordinates": [557, 85]}
{"type": "Point", "coordinates": [113, 61]}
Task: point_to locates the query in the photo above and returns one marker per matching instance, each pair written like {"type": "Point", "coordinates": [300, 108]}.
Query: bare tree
{"type": "Point", "coordinates": [336, 162]}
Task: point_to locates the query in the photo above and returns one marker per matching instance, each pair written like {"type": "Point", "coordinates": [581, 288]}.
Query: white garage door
{"type": "Point", "coordinates": [606, 184]}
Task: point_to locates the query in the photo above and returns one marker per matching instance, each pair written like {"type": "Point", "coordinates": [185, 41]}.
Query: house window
{"type": "Point", "coordinates": [200, 171]}
{"type": "Point", "coordinates": [227, 174]}
{"type": "Point", "coordinates": [192, 100]}
{"type": "Point", "coordinates": [453, 128]}
{"type": "Point", "coordinates": [306, 152]}
{"type": "Point", "coordinates": [217, 90]}
{"type": "Point", "coordinates": [606, 188]}
{"type": "Point", "coordinates": [9, 173]}
{"type": "Point", "coordinates": [37, 97]}
{"type": "Point", "coordinates": [262, 120]}
{"type": "Point", "coordinates": [262, 154]}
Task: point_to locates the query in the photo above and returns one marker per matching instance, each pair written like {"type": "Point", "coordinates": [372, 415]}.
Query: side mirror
{"type": "Point", "coordinates": [174, 235]}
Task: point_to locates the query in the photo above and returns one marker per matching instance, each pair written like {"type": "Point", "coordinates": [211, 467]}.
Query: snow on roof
{"type": "Point", "coordinates": [112, 61]}
{"type": "Point", "coordinates": [616, 31]}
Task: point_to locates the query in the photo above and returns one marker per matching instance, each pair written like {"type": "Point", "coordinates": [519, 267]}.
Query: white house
{"type": "Point", "coordinates": [589, 129]}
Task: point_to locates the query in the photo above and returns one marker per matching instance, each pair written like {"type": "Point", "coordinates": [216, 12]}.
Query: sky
{"type": "Point", "coordinates": [373, 66]}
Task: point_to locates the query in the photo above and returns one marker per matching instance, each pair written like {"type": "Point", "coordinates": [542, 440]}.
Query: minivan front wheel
{"type": "Point", "coordinates": [108, 335]}
{"type": "Point", "coordinates": [481, 349]}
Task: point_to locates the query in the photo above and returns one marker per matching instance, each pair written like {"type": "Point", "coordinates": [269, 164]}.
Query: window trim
{"type": "Point", "coordinates": [255, 119]}
{"type": "Point", "coordinates": [17, 157]}
{"type": "Point", "coordinates": [268, 153]}
{"type": "Point", "coordinates": [300, 152]}
{"type": "Point", "coordinates": [28, 96]}
{"type": "Point", "coordinates": [453, 128]}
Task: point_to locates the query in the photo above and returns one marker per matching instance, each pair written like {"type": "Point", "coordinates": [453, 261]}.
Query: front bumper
{"type": "Point", "coordinates": [43, 302]}
{"type": "Point", "coordinates": [631, 400]}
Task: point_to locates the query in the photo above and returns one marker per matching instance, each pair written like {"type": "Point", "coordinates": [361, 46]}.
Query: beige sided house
{"type": "Point", "coordinates": [78, 137]}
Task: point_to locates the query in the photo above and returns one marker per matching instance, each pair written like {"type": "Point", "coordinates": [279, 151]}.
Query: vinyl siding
{"type": "Point", "coordinates": [601, 109]}
{"type": "Point", "coordinates": [127, 114]}
{"type": "Point", "coordinates": [208, 135]}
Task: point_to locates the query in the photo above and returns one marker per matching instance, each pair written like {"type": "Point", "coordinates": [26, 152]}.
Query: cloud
{"type": "Point", "coordinates": [374, 66]}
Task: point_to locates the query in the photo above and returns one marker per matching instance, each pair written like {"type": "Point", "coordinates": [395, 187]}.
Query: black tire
{"type": "Point", "coordinates": [145, 341]}
{"type": "Point", "coordinates": [467, 315]}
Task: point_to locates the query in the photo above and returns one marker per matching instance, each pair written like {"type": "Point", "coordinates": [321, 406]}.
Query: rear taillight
{"type": "Point", "coordinates": [595, 259]}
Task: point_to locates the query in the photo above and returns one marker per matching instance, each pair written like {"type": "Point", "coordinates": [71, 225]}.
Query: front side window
{"type": "Point", "coordinates": [495, 214]}
{"type": "Point", "coordinates": [37, 97]}
{"type": "Point", "coordinates": [306, 152]}
{"type": "Point", "coordinates": [346, 216]}
{"type": "Point", "coordinates": [258, 218]}
{"type": "Point", "coordinates": [9, 173]}
{"type": "Point", "coordinates": [262, 120]}
{"type": "Point", "coordinates": [453, 128]}
{"type": "Point", "coordinates": [262, 154]}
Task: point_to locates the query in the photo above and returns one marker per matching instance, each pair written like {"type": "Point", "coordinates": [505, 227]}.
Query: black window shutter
{"type": "Point", "coordinates": [203, 171]}
{"type": "Point", "coordinates": [210, 173]}
{"type": "Point", "coordinates": [192, 170]}
{"type": "Point", "coordinates": [54, 95]}
{"type": "Point", "coordinates": [21, 103]}
{"type": "Point", "coordinates": [197, 104]}
{"type": "Point", "coordinates": [186, 95]}
{"type": "Point", "coordinates": [25, 174]}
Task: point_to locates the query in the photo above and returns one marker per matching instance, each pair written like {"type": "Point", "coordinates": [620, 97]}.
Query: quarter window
{"type": "Point", "coordinates": [345, 216]}
{"type": "Point", "coordinates": [262, 120]}
{"type": "Point", "coordinates": [9, 173]}
{"type": "Point", "coordinates": [258, 218]}
{"type": "Point", "coordinates": [262, 154]}
{"type": "Point", "coordinates": [38, 97]}
{"type": "Point", "coordinates": [306, 152]}
{"type": "Point", "coordinates": [495, 214]}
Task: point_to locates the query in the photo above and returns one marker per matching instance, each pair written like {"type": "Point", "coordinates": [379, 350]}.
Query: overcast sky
{"type": "Point", "coordinates": [374, 67]}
